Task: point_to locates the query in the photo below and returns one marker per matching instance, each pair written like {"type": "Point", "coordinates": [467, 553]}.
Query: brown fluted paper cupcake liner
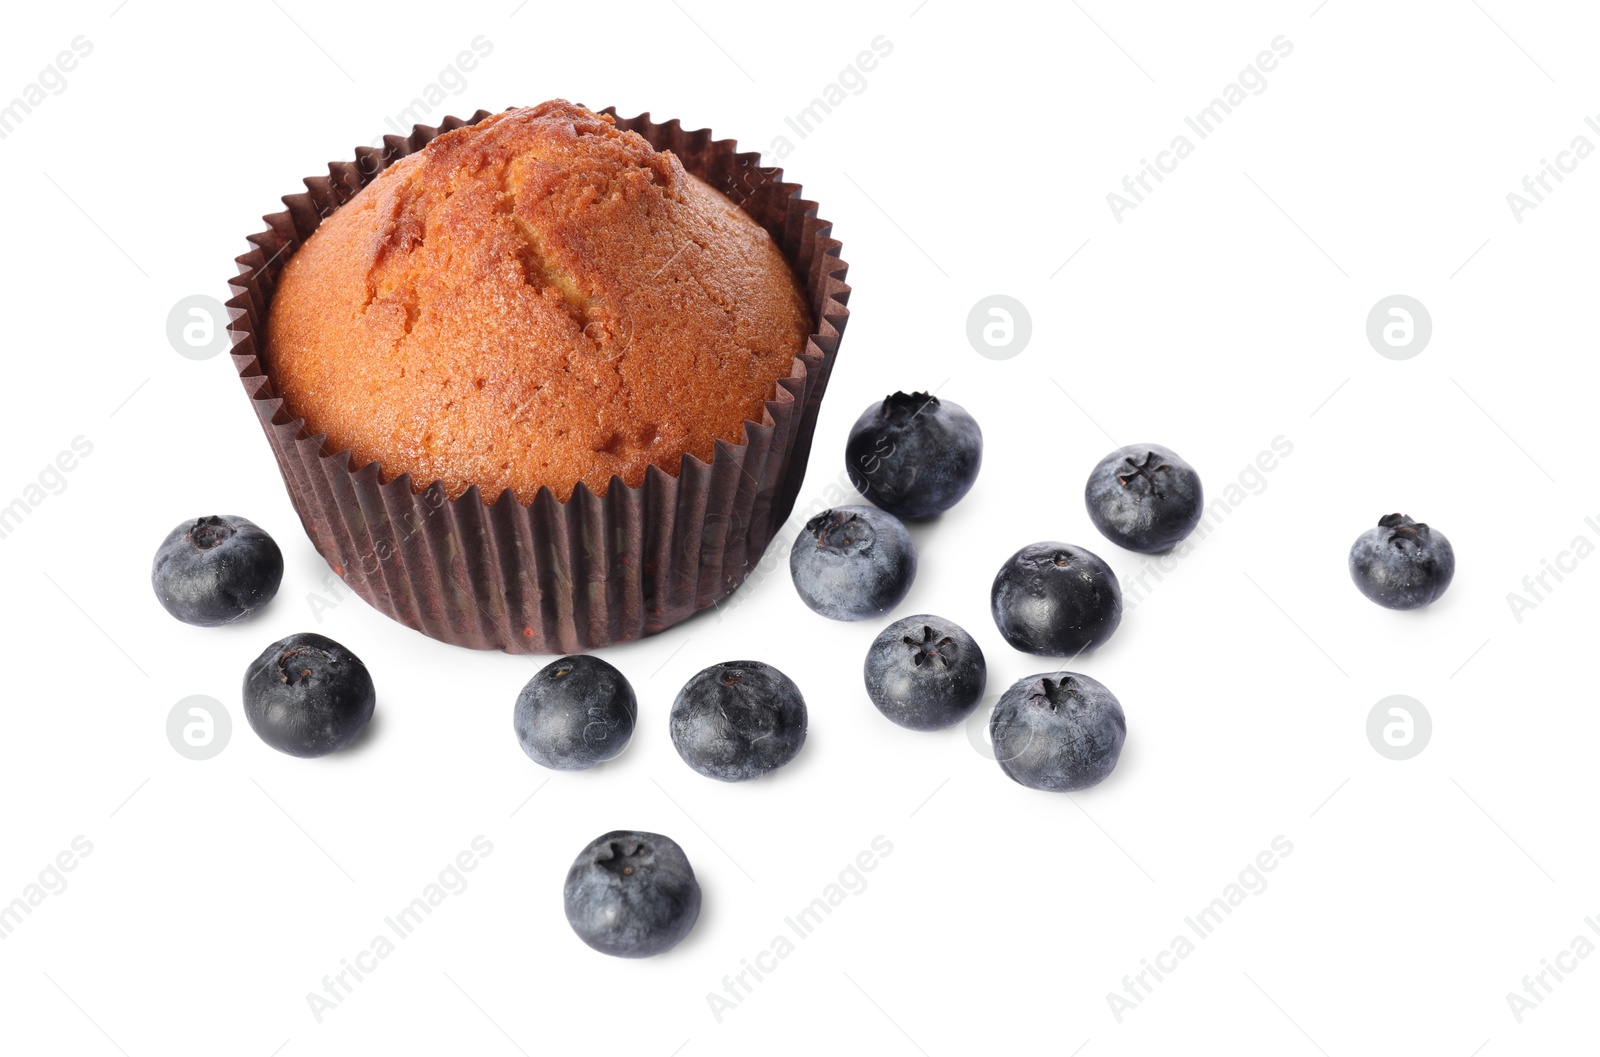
{"type": "Point", "coordinates": [552, 577]}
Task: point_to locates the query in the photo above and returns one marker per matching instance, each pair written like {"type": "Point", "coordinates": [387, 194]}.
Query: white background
{"type": "Point", "coordinates": [1226, 310]}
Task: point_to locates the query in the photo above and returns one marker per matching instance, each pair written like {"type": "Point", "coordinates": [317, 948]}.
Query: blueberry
{"type": "Point", "coordinates": [306, 695]}
{"type": "Point", "coordinates": [631, 894]}
{"type": "Point", "coordinates": [853, 562]}
{"type": "Point", "coordinates": [1056, 599]}
{"type": "Point", "coordinates": [1144, 497]}
{"type": "Point", "coordinates": [925, 672]}
{"type": "Point", "coordinates": [575, 713]}
{"type": "Point", "coordinates": [1402, 564]}
{"type": "Point", "coordinates": [738, 720]}
{"type": "Point", "coordinates": [914, 455]}
{"type": "Point", "coordinates": [216, 570]}
{"type": "Point", "coordinates": [1059, 731]}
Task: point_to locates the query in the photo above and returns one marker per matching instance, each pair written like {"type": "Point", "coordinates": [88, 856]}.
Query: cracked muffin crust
{"type": "Point", "coordinates": [533, 301]}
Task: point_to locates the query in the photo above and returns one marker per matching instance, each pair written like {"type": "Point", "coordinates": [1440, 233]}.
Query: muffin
{"type": "Point", "coordinates": [545, 380]}
{"type": "Point", "coordinates": [533, 301]}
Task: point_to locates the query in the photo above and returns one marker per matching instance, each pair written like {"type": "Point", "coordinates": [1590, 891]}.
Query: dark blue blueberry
{"type": "Point", "coordinates": [925, 673]}
{"type": "Point", "coordinates": [216, 570]}
{"type": "Point", "coordinates": [1059, 731]}
{"type": "Point", "coordinates": [1402, 564]}
{"type": "Point", "coordinates": [1056, 600]}
{"type": "Point", "coordinates": [632, 894]}
{"type": "Point", "coordinates": [914, 455]}
{"type": "Point", "coordinates": [1144, 497]}
{"type": "Point", "coordinates": [738, 720]}
{"type": "Point", "coordinates": [308, 696]}
{"type": "Point", "coordinates": [853, 562]}
{"type": "Point", "coordinates": [575, 713]}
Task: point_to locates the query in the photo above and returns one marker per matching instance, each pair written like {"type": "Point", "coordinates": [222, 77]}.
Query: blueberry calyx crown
{"type": "Point", "coordinates": [899, 404]}
{"type": "Point", "coordinates": [838, 530]}
{"type": "Point", "coordinates": [1060, 559]}
{"type": "Point", "coordinates": [561, 670]}
{"type": "Point", "coordinates": [733, 671]}
{"type": "Point", "coordinates": [621, 859]}
{"type": "Point", "coordinates": [927, 652]}
{"type": "Point", "coordinates": [292, 671]}
{"type": "Point", "coordinates": [1405, 529]}
{"type": "Point", "coordinates": [208, 532]}
{"type": "Point", "coordinates": [1133, 470]}
{"type": "Point", "coordinates": [1053, 693]}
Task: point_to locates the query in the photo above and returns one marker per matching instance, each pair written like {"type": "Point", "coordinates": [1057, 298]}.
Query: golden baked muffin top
{"type": "Point", "coordinates": [535, 300]}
